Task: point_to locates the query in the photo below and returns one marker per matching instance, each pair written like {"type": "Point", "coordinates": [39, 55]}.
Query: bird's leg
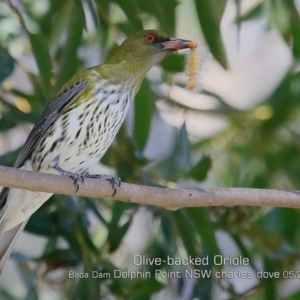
{"type": "Point", "coordinates": [114, 181]}
{"type": "Point", "coordinates": [75, 176]}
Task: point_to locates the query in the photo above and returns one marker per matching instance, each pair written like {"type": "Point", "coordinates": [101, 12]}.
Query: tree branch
{"type": "Point", "coordinates": [162, 197]}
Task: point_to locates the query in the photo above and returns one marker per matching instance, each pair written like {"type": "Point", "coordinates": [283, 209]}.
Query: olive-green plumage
{"type": "Point", "coordinates": [78, 126]}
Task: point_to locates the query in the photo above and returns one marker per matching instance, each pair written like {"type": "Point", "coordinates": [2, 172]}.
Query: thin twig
{"type": "Point", "coordinates": [163, 197]}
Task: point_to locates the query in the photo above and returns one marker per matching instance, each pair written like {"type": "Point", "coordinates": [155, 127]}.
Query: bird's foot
{"type": "Point", "coordinates": [114, 181]}
{"type": "Point", "coordinates": [75, 176]}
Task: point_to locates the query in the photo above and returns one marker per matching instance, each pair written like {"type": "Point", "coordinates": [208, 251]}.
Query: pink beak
{"type": "Point", "coordinates": [177, 44]}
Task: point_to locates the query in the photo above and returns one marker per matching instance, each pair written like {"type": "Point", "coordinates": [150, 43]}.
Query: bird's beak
{"type": "Point", "coordinates": [177, 44]}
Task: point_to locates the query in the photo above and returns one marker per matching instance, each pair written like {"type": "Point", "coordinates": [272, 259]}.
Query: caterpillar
{"type": "Point", "coordinates": [196, 65]}
{"type": "Point", "coordinates": [192, 67]}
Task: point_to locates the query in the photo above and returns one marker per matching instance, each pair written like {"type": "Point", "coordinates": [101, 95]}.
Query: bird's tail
{"type": "Point", "coordinates": [7, 241]}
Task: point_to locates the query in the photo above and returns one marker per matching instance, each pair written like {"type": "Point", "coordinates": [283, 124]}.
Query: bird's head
{"type": "Point", "coordinates": [144, 49]}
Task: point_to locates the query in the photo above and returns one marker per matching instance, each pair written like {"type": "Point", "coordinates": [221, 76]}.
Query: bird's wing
{"type": "Point", "coordinates": [48, 117]}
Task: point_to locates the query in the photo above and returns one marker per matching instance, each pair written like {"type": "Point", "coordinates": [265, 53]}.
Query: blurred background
{"type": "Point", "coordinates": [241, 130]}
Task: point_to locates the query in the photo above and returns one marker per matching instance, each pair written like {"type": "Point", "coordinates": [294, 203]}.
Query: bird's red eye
{"type": "Point", "coordinates": [150, 38]}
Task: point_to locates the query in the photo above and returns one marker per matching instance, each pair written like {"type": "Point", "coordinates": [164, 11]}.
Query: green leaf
{"type": "Point", "coordinates": [255, 11]}
{"type": "Point", "coordinates": [88, 242]}
{"type": "Point", "coordinates": [200, 170]}
{"type": "Point", "coordinates": [7, 295]}
{"type": "Point", "coordinates": [73, 224]}
{"type": "Point", "coordinates": [282, 102]}
{"type": "Point", "coordinates": [94, 13]}
{"type": "Point", "coordinates": [269, 283]}
{"type": "Point", "coordinates": [144, 108]}
{"type": "Point", "coordinates": [211, 30]}
{"type": "Point", "coordinates": [42, 223]}
{"type": "Point", "coordinates": [204, 288]}
{"type": "Point", "coordinates": [243, 249]}
{"type": "Point", "coordinates": [132, 12]}
{"type": "Point", "coordinates": [295, 296]}
{"type": "Point", "coordinates": [294, 20]}
{"type": "Point", "coordinates": [34, 100]}
{"type": "Point", "coordinates": [288, 222]}
{"type": "Point", "coordinates": [173, 63]}
{"type": "Point", "coordinates": [145, 287]}
{"type": "Point", "coordinates": [187, 232]}
{"type": "Point", "coordinates": [88, 288]}
{"type": "Point", "coordinates": [13, 117]}
{"type": "Point", "coordinates": [103, 8]}
{"type": "Point", "coordinates": [21, 257]}
{"type": "Point", "coordinates": [40, 49]}
{"type": "Point", "coordinates": [183, 149]}
{"type": "Point", "coordinates": [29, 279]}
{"type": "Point", "coordinates": [60, 258]}
{"type": "Point", "coordinates": [205, 228]}
{"type": "Point", "coordinates": [9, 158]}
{"type": "Point", "coordinates": [116, 232]}
{"type": "Point", "coordinates": [179, 162]}
{"type": "Point", "coordinates": [125, 170]}
{"type": "Point", "coordinates": [6, 65]}
{"type": "Point", "coordinates": [117, 212]}
{"type": "Point", "coordinates": [80, 10]}
{"type": "Point", "coordinates": [163, 11]}
{"type": "Point", "coordinates": [91, 205]}
{"type": "Point", "coordinates": [69, 60]}
{"type": "Point", "coordinates": [6, 124]}
{"type": "Point", "coordinates": [116, 235]}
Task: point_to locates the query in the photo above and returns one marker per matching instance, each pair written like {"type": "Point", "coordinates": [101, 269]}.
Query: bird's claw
{"type": "Point", "coordinates": [115, 183]}
{"type": "Point", "coordinates": [76, 177]}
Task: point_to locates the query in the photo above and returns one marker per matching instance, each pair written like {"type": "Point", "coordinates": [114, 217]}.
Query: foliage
{"type": "Point", "coordinates": [252, 151]}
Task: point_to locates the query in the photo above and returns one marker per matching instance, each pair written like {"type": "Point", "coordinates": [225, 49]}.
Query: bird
{"type": "Point", "coordinates": [78, 126]}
